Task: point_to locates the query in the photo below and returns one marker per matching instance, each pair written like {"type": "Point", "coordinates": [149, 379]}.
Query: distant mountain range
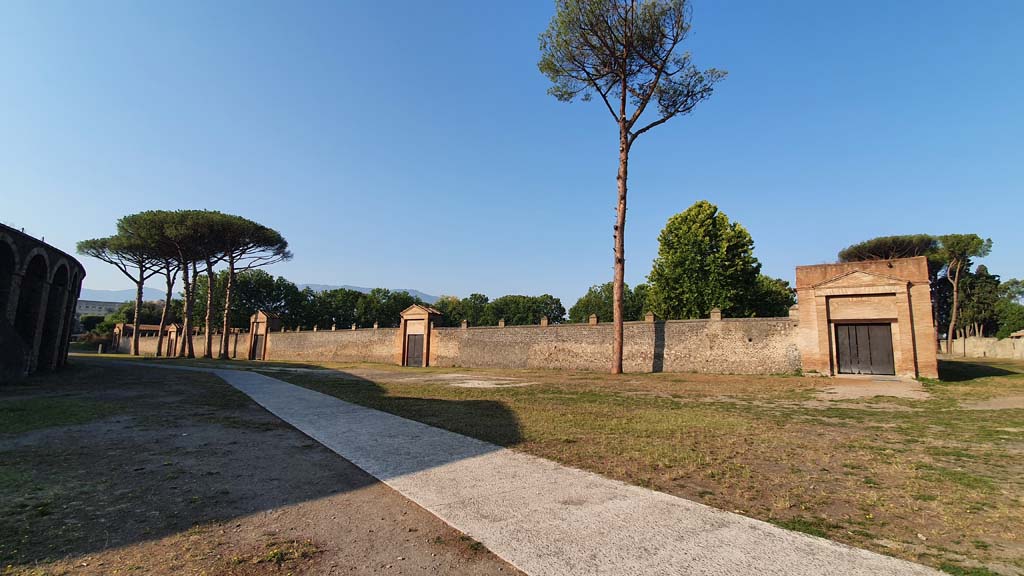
{"type": "Point", "coordinates": [120, 295]}
{"type": "Point", "coordinates": [156, 294]}
{"type": "Point", "coordinates": [428, 298]}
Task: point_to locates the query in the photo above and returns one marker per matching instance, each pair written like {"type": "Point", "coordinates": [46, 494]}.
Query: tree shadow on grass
{"type": "Point", "coordinates": [487, 420]}
{"type": "Point", "coordinates": [176, 449]}
{"type": "Point", "coordinates": [960, 371]}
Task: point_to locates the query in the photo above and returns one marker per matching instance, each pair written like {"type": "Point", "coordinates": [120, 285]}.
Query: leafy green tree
{"type": "Point", "coordinates": [384, 307]}
{"type": "Point", "coordinates": [1011, 317]}
{"type": "Point", "coordinates": [133, 257]}
{"type": "Point", "coordinates": [1010, 307]}
{"type": "Point", "coordinates": [450, 307]}
{"type": "Point", "coordinates": [629, 53]}
{"type": "Point", "coordinates": [957, 252]}
{"type": "Point", "coordinates": [519, 310]}
{"type": "Point", "coordinates": [246, 245]}
{"type": "Point", "coordinates": [598, 300]}
{"type": "Point", "coordinates": [892, 247]}
{"type": "Point", "coordinates": [334, 307]}
{"type": "Point", "coordinates": [704, 261]}
{"type": "Point", "coordinates": [771, 298]}
{"type": "Point", "coordinates": [89, 322]}
{"type": "Point", "coordinates": [980, 295]}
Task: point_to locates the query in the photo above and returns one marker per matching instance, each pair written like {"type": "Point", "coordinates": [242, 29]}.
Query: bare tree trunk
{"type": "Point", "coordinates": [226, 324]}
{"type": "Point", "coordinates": [169, 273]}
{"type": "Point", "coordinates": [211, 281]}
{"type": "Point", "coordinates": [138, 309]}
{"type": "Point", "coordinates": [189, 343]}
{"type": "Point", "coordinates": [185, 349]}
{"type": "Point", "coordinates": [620, 253]}
{"type": "Point", "coordinates": [956, 305]}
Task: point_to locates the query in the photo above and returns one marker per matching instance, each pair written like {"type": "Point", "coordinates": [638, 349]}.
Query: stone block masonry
{"type": "Point", "coordinates": [731, 346]}
{"type": "Point", "coordinates": [728, 346]}
{"type": "Point", "coordinates": [363, 345]}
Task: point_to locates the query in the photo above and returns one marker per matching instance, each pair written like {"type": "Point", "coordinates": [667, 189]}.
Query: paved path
{"type": "Point", "coordinates": [548, 519]}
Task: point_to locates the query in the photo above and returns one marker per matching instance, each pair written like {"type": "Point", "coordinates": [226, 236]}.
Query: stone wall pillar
{"type": "Point", "coordinates": [40, 324]}
{"type": "Point", "coordinates": [593, 320]}
{"type": "Point", "coordinates": [716, 314]}
{"type": "Point", "coordinates": [12, 297]}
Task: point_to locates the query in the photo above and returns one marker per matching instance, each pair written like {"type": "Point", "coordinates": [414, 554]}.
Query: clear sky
{"type": "Point", "coordinates": [412, 144]}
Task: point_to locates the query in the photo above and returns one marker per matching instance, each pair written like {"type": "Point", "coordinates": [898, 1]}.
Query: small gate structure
{"type": "Point", "coordinates": [260, 325]}
{"type": "Point", "coordinates": [417, 322]}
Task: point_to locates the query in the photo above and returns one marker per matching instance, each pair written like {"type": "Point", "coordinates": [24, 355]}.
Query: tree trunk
{"type": "Point", "coordinates": [189, 343]}
{"type": "Point", "coordinates": [211, 280]}
{"type": "Point", "coordinates": [138, 309]}
{"type": "Point", "coordinates": [620, 253]}
{"type": "Point", "coordinates": [167, 308]}
{"type": "Point", "coordinates": [185, 338]}
{"type": "Point", "coordinates": [226, 324]}
{"type": "Point", "coordinates": [956, 305]}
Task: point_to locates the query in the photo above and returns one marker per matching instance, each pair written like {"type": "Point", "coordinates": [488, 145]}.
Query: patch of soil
{"type": "Point", "coordinates": [1000, 403]}
{"type": "Point", "coordinates": [192, 477]}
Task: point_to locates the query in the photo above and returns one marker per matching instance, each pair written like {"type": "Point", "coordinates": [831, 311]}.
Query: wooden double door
{"type": "Point", "coordinates": [414, 350]}
{"type": "Point", "coordinates": [865, 349]}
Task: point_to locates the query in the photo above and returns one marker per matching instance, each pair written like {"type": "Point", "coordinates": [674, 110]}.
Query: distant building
{"type": "Point", "coordinates": [93, 308]}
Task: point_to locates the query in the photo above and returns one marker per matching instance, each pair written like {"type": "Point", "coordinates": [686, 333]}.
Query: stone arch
{"type": "Point", "coordinates": [53, 322]}
{"type": "Point", "coordinates": [31, 298]}
{"type": "Point", "coordinates": [8, 266]}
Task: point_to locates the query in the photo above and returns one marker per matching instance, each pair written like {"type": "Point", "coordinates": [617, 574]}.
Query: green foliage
{"type": "Point", "coordinates": [89, 322]}
{"type": "Point", "coordinates": [1010, 316]}
{"type": "Point", "coordinates": [598, 300]}
{"type": "Point", "coordinates": [891, 247]}
{"type": "Point", "coordinates": [624, 54]}
{"type": "Point", "coordinates": [521, 310]}
{"type": "Point", "coordinates": [980, 297]}
{"type": "Point", "coordinates": [384, 307]}
{"type": "Point", "coordinates": [704, 261]}
{"type": "Point", "coordinates": [472, 309]}
{"type": "Point", "coordinates": [772, 298]}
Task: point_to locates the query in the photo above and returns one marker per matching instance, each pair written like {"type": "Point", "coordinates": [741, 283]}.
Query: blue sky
{"type": "Point", "coordinates": [412, 144]}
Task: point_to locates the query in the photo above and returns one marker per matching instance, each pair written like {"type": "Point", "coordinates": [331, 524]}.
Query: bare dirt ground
{"type": "Point", "coordinates": [115, 470]}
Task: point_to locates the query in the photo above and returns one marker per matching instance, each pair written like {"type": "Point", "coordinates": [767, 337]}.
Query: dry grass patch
{"type": "Point", "coordinates": [920, 479]}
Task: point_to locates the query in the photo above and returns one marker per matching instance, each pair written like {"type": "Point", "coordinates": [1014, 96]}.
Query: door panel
{"type": "Point", "coordinates": [414, 350]}
{"type": "Point", "coordinates": [864, 349]}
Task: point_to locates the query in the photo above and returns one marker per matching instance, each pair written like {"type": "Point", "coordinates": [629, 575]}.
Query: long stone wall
{"type": "Point", "coordinates": [238, 347]}
{"type": "Point", "coordinates": [974, 347]}
{"type": "Point", "coordinates": [365, 345]}
{"type": "Point", "coordinates": [728, 346]}
{"type": "Point", "coordinates": [736, 346]}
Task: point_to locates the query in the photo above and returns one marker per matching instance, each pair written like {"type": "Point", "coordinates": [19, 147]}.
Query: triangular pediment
{"type": "Point", "coordinates": [419, 309]}
{"type": "Point", "coordinates": [859, 278]}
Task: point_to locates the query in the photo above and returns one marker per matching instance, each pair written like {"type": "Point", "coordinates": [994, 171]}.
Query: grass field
{"type": "Point", "coordinates": [932, 480]}
{"type": "Point", "coordinates": [938, 480]}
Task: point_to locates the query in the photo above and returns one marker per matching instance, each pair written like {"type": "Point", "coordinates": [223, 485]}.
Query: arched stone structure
{"type": "Point", "coordinates": [39, 288]}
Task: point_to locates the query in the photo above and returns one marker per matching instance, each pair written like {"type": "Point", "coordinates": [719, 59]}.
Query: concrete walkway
{"type": "Point", "coordinates": [548, 519]}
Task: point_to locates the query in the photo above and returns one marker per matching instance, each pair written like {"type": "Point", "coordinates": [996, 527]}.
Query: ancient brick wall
{"type": "Point", "coordinates": [740, 346]}
{"type": "Point", "coordinates": [364, 345]}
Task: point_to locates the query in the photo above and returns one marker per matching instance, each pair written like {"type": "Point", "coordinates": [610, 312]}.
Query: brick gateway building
{"type": "Point", "coordinates": [39, 287]}
{"type": "Point", "coordinates": [870, 317]}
